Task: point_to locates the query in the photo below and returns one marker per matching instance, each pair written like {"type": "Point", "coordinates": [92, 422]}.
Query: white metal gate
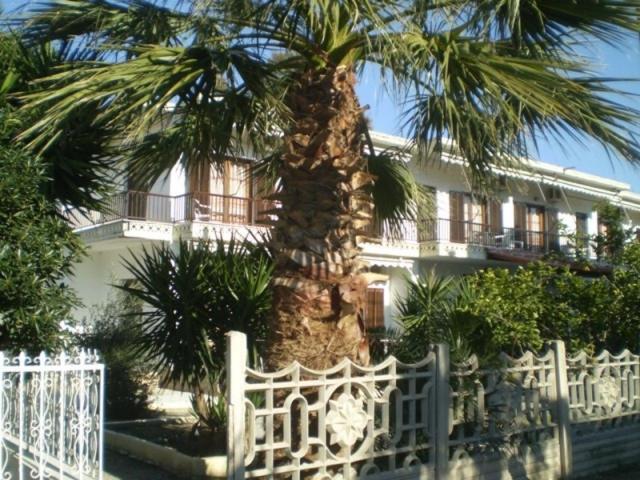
{"type": "Point", "coordinates": [51, 416]}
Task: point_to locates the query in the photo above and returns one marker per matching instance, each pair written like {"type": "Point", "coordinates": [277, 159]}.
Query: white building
{"type": "Point", "coordinates": [537, 209]}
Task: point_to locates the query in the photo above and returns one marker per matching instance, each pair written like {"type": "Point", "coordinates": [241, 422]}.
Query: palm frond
{"type": "Point", "coordinates": [225, 92]}
{"type": "Point", "coordinates": [79, 160]}
{"type": "Point", "coordinates": [530, 22]}
{"type": "Point", "coordinates": [488, 97]}
{"type": "Point", "coordinates": [397, 195]}
{"type": "Point", "coordinates": [104, 22]}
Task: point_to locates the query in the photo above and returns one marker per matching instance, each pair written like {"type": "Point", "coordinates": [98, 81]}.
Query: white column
{"type": "Point", "coordinates": [236, 362]}
{"type": "Point", "coordinates": [442, 204]}
{"type": "Point", "coordinates": [177, 190]}
{"type": "Point", "coordinates": [563, 412]}
{"type": "Point", "coordinates": [592, 223]}
{"type": "Point", "coordinates": [508, 213]}
{"type": "Point", "coordinates": [442, 411]}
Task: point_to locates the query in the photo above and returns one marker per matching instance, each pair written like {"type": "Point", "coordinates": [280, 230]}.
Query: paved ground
{"type": "Point", "coordinates": [121, 467]}
{"type": "Point", "coordinates": [626, 473]}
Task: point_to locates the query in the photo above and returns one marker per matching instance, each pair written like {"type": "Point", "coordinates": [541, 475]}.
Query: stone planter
{"type": "Point", "coordinates": [167, 458]}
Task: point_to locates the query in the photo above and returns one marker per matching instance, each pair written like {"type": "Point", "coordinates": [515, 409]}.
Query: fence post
{"type": "Point", "coordinates": [236, 362]}
{"type": "Point", "coordinates": [563, 417]}
{"type": "Point", "coordinates": [442, 411]}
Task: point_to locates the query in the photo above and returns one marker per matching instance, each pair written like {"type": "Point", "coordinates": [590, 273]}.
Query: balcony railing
{"type": "Point", "coordinates": [470, 233]}
{"type": "Point", "coordinates": [197, 206]}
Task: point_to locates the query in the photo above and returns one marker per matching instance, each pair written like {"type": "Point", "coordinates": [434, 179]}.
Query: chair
{"type": "Point", "coordinates": [507, 240]}
{"type": "Point", "coordinates": [202, 212]}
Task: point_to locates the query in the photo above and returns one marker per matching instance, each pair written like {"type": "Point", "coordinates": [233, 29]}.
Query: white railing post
{"type": "Point", "coordinates": [236, 362]}
{"type": "Point", "coordinates": [563, 418]}
{"type": "Point", "coordinates": [102, 377]}
{"type": "Point", "coordinates": [442, 408]}
{"type": "Point", "coordinates": [3, 460]}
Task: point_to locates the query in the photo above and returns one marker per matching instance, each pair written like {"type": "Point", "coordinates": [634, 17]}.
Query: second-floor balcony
{"type": "Point", "coordinates": [451, 236]}
{"type": "Point", "coordinates": [152, 215]}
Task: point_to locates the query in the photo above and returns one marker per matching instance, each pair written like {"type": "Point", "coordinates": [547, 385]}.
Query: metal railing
{"type": "Point", "coordinates": [51, 416]}
{"type": "Point", "coordinates": [481, 234]}
{"type": "Point", "coordinates": [196, 206]}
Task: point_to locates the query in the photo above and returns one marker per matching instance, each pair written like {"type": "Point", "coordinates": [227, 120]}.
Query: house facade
{"type": "Point", "coordinates": [533, 211]}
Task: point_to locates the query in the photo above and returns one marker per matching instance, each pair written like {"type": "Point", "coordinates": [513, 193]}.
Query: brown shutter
{"type": "Point", "coordinates": [520, 216]}
{"type": "Point", "coordinates": [199, 178]}
{"type": "Point", "coordinates": [552, 230]}
{"type": "Point", "coordinates": [374, 311]}
{"type": "Point", "coordinates": [456, 216]}
{"type": "Point", "coordinates": [428, 217]}
{"type": "Point", "coordinates": [136, 197]}
{"type": "Point", "coordinates": [495, 216]}
{"type": "Point", "coordinates": [199, 186]}
{"type": "Point", "coordinates": [520, 222]}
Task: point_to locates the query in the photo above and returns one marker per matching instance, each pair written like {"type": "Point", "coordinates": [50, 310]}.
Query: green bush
{"type": "Point", "coordinates": [37, 252]}
{"type": "Point", "coordinates": [498, 310]}
{"type": "Point", "coordinates": [112, 329]}
{"type": "Point", "coordinates": [192, 299]}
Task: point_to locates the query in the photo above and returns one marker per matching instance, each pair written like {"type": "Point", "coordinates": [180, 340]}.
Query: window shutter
{"type": "Point", "coordinates": [552, 229]}
{"type": "Point", "coordinates": [456, 216]}
{"type": "Point", "coordinates": [495, 216]}
{"type": "Point", "coordinates": [374, 311]}
{"type": "Point", "coordinates": [520, 216]}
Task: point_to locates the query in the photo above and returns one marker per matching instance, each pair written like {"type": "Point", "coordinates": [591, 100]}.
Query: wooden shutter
{"type": "Point", "coordinates": [456, 216]}
{"type": "Point", "coordinates": [374, 311]}
{"type": "Point", "coordinates": [199, 188]}
{"type": "Point", "coordinates": [552, 227]}
{"type": "Point", "coordinates": [136, 199]}
{"type": "Point", "coordinates": [520, 216]}
{"type": "Point", "coordinates": [428, 218]}
{"type": "Point", "coordinates": [520, 222]}
{"type": "Point", "coordinates": [495, 216]}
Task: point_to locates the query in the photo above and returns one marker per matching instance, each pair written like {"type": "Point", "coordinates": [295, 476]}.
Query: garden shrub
{"type": "Point", "coordinates": [498, 310]}
{"type": "Point", "coordinates": [37, 252]}
{"type": "Point", "coordinates": [112, 329]}
{"type": "Point", "coordinates": [192, 298]}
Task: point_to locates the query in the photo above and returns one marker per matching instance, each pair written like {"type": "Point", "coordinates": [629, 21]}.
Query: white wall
{"type": "Point", "coordinates": [95, 275]}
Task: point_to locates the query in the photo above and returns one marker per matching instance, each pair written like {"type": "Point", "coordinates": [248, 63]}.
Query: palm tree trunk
{"type": "Point", "coordinates": [319, 289]}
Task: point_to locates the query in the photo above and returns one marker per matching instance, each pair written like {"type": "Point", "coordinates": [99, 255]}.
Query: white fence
{"type": "Point", "coordinates": [545, 416]}
{"type": "Point", "coordinates": [51, 416]}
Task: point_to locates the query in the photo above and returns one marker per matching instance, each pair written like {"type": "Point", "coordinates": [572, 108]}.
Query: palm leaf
{"type": "Point", "coordinates": [397, 195]}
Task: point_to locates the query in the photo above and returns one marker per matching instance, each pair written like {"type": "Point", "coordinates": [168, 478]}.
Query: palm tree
{"type": "Point", "coordinates": [202, 80]}
{"type": "Point", "coordinates": [77, 159]}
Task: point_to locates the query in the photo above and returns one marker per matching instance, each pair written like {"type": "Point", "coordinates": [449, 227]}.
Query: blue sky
{"type": "Point", "coordinates": [623, 61]}
{"type": "Point", "coordinates": [619, 62]}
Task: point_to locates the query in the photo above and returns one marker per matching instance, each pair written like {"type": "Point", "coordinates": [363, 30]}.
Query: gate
{"type": "Point", "coordinates": [51, 416]}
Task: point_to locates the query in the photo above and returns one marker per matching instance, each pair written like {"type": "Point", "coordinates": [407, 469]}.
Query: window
{"type": "Point", "coordinates": [374, 309]}
{"type": "Point", "coordinates": [530, 223]}
{"type": "Point", "coordinates": [222, 193]}
{"type": "Point", "coordinates": [471, 217]}
{"type": "Point", "coordinates": [582, 231]}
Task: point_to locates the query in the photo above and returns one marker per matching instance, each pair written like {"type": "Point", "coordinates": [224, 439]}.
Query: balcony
{"type": "Point", "coordinates": [156, 216]}
{"type": "Point", "coordinates": [499, 241]}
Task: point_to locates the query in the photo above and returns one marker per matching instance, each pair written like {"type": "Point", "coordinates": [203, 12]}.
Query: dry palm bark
{"type": "Point", "coordinates": [319, 289]}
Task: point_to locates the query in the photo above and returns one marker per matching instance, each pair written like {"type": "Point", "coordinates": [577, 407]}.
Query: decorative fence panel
{"type": "Point", "coordinates": [544, 417]}
{"type": "Point", "coordinates": [51, 416]}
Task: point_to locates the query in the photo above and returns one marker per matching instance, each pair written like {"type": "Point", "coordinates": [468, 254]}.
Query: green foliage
{"type": "Point", "coordinates": [111, 329]}
{"type": "Point", "coordinates": [431, 310]}
{"type": "Point", "coordinates": [609, 245]}
{"type": "Point", "coordinates": [494, 74]}
{"type": "Point", "coordinates": [37, 252]}
{"type": "Point", "coordinates": [498, 310]}
{"type": "Point", "coordinates": [193, 298]}
{"type": "Point", "coordinates": [78, 160]}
